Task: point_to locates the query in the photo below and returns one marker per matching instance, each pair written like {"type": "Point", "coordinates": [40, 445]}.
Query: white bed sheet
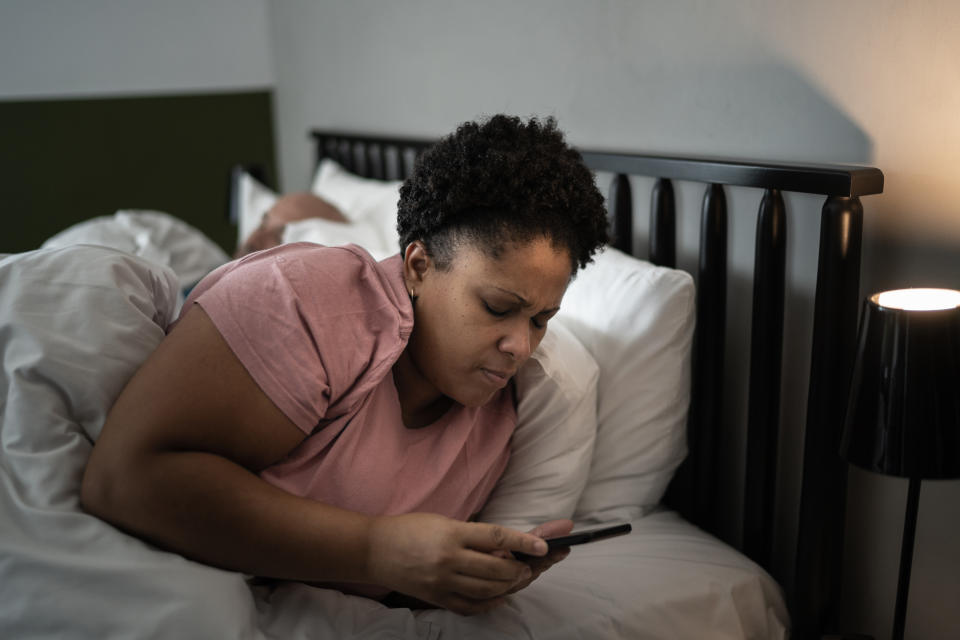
{"type": "Point", "coordinates": [667, 579]}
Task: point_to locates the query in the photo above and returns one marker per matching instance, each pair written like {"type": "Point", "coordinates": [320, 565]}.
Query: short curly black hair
{"type": "Point", "coordinates": [502, 181]}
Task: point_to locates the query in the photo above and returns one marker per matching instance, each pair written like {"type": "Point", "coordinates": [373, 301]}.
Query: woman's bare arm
{"type": "Point", "coordinates": [176, 464]}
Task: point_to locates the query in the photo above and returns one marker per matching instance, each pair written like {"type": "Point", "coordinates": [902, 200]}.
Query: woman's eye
{"type": "Point", "coordinates": [495, 312]}
{"type": "Point", "coordinates": [539, 324]}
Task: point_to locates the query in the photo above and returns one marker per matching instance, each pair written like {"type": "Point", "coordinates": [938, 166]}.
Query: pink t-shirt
{"type": "Point", "coordinates": [319, 329]}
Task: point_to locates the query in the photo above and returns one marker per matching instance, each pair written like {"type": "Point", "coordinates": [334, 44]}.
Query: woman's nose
{"type": "Point", "coordinates": [517, 343]}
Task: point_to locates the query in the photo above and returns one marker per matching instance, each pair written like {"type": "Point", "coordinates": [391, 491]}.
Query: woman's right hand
{"type": "Point", "coordinates": [448, 563]}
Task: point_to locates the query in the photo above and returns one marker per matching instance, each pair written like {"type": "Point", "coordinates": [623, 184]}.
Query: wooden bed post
{"type": "Point", "coordinates": [816, 591]}
{"type": "Point", "coordinates": [621, 206]}
{"type": "Point", "coordinates": [663, 225]}
{"type": "Point", "coordinates": [709, 339]}
{"type": "Point", "coordinates": [766, 358]}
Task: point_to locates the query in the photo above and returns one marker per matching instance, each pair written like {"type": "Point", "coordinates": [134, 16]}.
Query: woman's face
{"type": "Point", "coordinates": [477, 322]}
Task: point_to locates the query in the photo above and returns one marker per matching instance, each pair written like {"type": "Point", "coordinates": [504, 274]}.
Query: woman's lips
{"type": "Point", "coordinates": [499, 378]}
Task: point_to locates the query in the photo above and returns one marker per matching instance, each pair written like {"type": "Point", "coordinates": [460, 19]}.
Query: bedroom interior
{"type": "Point", "coordinates": [772, 81]}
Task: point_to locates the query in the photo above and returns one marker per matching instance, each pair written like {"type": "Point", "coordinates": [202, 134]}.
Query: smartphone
{"type": "Point", "coordinates": [580, 537]}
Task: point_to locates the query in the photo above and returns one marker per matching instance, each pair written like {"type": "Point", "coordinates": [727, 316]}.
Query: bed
{"type": "Point", "coordinates": [617, 421]}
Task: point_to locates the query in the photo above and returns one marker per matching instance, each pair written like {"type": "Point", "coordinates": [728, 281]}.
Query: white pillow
{"type": "Point", "coordinates": [253, 201]}
{"type": "Point", "coordinates": [552, 446]}
{"type": "Point", "coordinates": [372, 217]}
{"type": "Point", "coordinates": [360, 199]}
{"type": "Point", "coordinates": [637, 321]}
{"type": "Point", "coordinates": [75, 323]}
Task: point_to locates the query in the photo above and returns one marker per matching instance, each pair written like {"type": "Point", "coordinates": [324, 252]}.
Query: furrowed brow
{"type": "Point", "coordinates": [523, 301]}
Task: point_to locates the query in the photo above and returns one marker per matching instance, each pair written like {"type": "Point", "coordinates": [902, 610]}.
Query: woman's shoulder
{"type": "Point", "coordinates": [334, 259]}
{"type": "Point", "coordinates": [345, 275]}
{"type": "Point", "coordinates": [303, 315]}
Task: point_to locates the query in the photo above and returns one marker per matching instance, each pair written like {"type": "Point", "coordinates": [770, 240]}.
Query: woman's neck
{"type": "Point", "coordinates": [421, 404]}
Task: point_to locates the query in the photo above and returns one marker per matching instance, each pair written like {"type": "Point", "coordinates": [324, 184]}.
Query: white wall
{"type": "Point", "coordinates": [95, 48]}
{"type": "Point", "coordinates": [846, 82]}
{"type": "Point", "coordinates": [864, 81]}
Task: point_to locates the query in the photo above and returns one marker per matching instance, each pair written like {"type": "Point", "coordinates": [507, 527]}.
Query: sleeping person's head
{"type": "Point", "coordinates": [288, 208]}
{"type": "Point", "coordinates": [493, 224]}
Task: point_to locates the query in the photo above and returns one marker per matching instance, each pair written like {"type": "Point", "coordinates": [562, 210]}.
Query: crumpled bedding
{"type": "Point", "coordinates": [67, 346]}
{"type": "Point", "coordinates": [152, 235]}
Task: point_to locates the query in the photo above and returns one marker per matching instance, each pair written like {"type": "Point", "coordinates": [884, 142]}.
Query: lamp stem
{"type": "Point", "coordinates": [906, 557]}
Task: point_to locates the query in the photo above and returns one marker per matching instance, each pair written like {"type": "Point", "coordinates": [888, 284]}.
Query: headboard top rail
{"type": "Point", "coordinates": [824, 179]}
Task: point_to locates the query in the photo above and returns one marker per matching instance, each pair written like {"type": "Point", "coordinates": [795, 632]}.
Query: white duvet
{"type": "Point", "coordinates": [76, 322]}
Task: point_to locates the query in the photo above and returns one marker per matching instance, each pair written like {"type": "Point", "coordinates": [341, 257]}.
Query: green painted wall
{"type": "Point", "coordinates": [63, 161]}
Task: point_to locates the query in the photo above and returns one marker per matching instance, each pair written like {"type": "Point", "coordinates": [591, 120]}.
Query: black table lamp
{"type": "Point", "coordinates": [903, 418]}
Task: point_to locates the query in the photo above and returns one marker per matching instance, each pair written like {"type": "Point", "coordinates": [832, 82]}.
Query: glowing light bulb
{"type": "Point", "coordinates": [918, 299]}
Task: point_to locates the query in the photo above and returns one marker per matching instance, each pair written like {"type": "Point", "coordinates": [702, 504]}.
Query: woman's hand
{"type": "Point", "coordinates": [538, 565]}
{"type": "Point", "coordinates": [449, 563]}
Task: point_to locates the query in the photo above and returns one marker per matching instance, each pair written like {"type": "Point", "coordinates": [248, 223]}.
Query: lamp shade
{"type": "Point", "coordinates": [903, 416]}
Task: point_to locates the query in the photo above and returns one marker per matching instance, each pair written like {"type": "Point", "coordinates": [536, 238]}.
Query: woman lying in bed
{"type": "Point", "coordinates": [315, 415]}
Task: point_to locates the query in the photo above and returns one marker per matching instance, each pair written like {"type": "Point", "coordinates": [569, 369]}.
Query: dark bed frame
{"type": "Point", "coordinates": [815, 591]}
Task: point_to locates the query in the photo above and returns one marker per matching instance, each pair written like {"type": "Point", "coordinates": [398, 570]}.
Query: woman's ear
{"type": "Point", "coordinates": [416, 264]}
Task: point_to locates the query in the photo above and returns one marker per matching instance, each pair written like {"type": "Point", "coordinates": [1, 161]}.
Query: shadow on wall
{"type": "Point", "coordinates": [894, 262]}
{"type": "Point", "coordinates": [759, 110]}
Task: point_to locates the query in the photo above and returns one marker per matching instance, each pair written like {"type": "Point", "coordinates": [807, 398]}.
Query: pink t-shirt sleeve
{"type": "Point", "coordinates": [310, 324]}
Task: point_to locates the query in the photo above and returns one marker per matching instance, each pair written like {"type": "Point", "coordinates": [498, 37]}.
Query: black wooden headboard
{"type": "Point", "coordinates": [816, 588]}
